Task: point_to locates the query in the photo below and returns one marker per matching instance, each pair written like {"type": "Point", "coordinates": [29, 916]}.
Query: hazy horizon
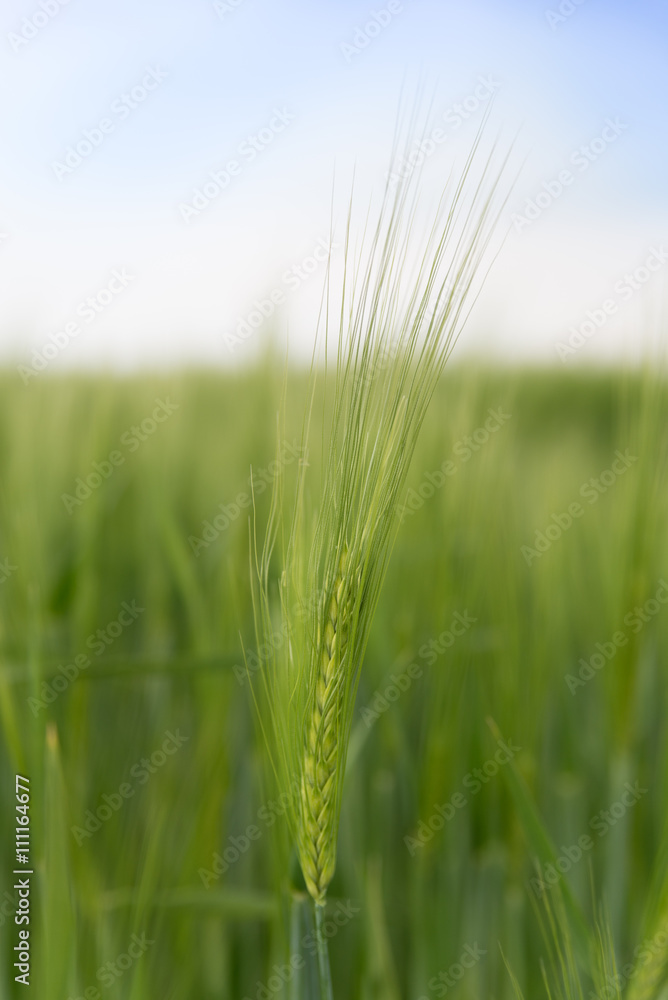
{"type": "Point", "coordinates": [121, 115]}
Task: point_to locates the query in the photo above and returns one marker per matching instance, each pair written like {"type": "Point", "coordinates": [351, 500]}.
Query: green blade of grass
{"type": "Point", "coordinates": [542, 847]}
{"type": "Point", "coordinates": [59, 921]}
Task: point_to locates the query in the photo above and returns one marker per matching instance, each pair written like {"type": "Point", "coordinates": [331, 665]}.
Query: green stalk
{"type": "Point", "coordinates": [296, 991]}
{"type": "Point", "coordinates": [323, 955]}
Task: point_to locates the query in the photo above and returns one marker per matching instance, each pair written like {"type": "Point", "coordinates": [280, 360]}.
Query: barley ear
{"type": "Point", "coordinates": [318, 818]}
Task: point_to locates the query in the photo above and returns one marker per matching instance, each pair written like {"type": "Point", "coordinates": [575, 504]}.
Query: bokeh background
{"type": "Point", "coordinates": [139, 387]}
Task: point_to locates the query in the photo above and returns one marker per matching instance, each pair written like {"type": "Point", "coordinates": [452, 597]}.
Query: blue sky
{"type": "Point", "coordinates": [221, 73]}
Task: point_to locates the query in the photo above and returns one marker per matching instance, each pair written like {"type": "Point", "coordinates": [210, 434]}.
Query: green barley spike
{"type": "Point", "coordinates": [317, 826]}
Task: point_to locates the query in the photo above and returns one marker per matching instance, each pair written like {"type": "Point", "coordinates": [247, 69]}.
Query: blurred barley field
{"type": "Point", "coordinates": [525, 603]}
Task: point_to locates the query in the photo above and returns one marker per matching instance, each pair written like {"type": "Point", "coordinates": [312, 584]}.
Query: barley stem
{"type": "Point", "coordinates": [323, 955]}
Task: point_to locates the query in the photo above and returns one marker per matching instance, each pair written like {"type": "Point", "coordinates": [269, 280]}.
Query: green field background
{"type": "Point", "coordinates": [408, 898]}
